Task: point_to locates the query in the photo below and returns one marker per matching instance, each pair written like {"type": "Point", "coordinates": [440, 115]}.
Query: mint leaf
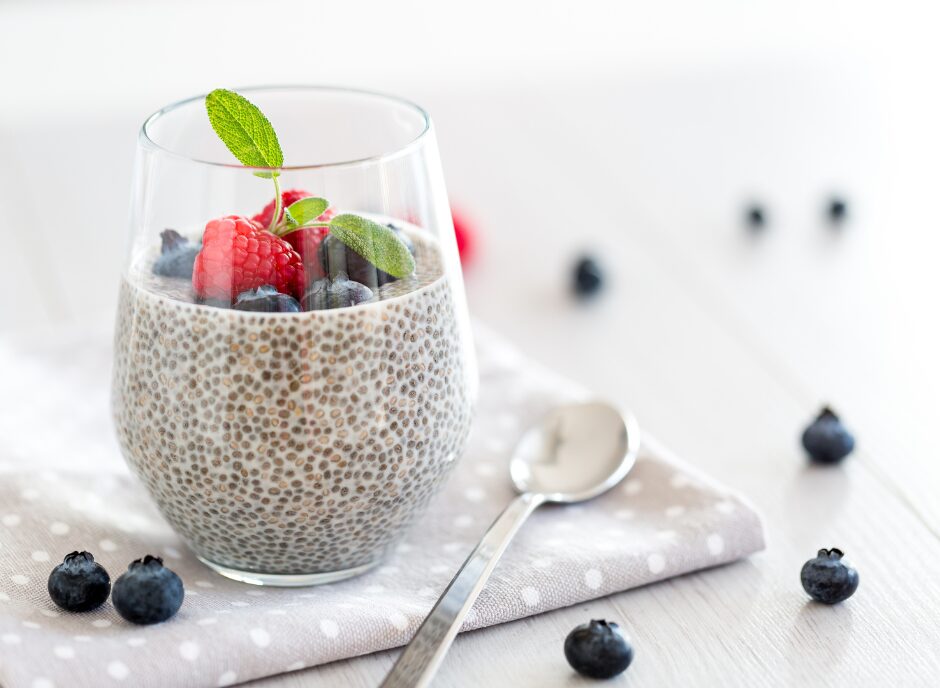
{"type": "Point", "coordinates": [376, 243]}
{"type": "Point", "coordinates": [244, 130]}
{"type": "Point", "coordinates": [305, 210]}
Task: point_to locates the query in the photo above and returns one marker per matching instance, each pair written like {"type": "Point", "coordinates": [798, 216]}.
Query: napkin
{"type": "Point", "coordinates": [666, 519]}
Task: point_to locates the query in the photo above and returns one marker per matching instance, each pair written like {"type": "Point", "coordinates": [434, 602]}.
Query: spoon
{"type": "Point", "coordinates": [576, 453]}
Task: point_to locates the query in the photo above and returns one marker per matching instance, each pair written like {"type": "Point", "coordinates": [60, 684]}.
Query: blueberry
{"type": "Point", "coordinates": [79, 583]}
{"type": "Point", "coordinates": [598, 649]}
{"type": "Point", "coordinates": [588, 278]}
{"type": "Point", "coordinates": [337, 293]}
{"type": "Point", "coordinates": [336, 258]}
{"type": "Point", "coordinates": [148, 592]}
{"type": "Point", "coordinates": [177, 255]}
{"type": "Point", "coordinates": [827, 578]}
{"type": "Point", "coordinates": [266, 299]}
{"type": "Point", "coordinates": [755, 216]}
{"type": "Point", "coordinates": [826, 440]}
{"type": "Point", "coordinates": [837, 210]}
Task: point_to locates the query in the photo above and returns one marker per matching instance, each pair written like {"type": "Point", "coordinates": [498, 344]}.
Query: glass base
{"type": "Point", "coordinates": [287, 580]}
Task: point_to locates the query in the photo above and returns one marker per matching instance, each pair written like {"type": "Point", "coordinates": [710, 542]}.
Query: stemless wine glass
{"type": "Point", "coordinates": [293, 448]}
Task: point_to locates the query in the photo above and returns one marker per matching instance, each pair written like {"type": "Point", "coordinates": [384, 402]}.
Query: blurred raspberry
{"type": "Point", "coordinates": [465, 233]}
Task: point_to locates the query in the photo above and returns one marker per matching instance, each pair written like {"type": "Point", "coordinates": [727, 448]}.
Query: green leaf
{"type": "Point", "coordinates": [305, 210]}
{"type": "Point", "coordinates": [376, 243]}
{"type": "Point", "coordinates": [244, 130]}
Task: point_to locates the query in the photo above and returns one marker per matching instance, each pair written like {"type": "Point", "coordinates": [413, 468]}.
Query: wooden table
{"type": "Point", "coordinates": [724, 343]}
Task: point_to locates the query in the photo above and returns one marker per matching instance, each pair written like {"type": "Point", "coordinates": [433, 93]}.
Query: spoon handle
{"type": "Point", "coordinates": [419, 662]}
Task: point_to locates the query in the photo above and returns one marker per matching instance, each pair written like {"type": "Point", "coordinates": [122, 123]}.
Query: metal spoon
{"type": "Point", "coordinates": [575, 454]}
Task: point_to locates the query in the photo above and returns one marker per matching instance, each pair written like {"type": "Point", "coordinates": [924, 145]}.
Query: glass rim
{"type": "Point", "coordinates": [147, 141]}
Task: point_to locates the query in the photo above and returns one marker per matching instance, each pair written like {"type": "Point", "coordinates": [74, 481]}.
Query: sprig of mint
{"type": "Point", "coordinates": [251, 138]}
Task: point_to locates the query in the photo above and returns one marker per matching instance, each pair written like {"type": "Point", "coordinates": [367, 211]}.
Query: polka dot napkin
{"type": "Point", "coordinates": [62, 487]}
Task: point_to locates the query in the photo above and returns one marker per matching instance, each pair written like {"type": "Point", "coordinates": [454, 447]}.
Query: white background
{"type": "Point", "coordinates": [636, 130]}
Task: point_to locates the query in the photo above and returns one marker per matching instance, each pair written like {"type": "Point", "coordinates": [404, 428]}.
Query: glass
{"type": "Point", "coordinates": [293, 448]}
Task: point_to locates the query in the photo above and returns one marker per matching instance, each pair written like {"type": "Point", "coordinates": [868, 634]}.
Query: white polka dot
{"type": "Point", "coordinates": [227, 679]}
{"type": "Point", "coordinates": [541, 563]}
{"type": "Point", "coordinates": [118, 670]}
{"type": "Point", "coordinates": [42, 682]}
{"type": "Point", "coordinates": [632, 487]}
{"type": "Point", "coordinates": [675, 511]}
{"type": "Point", "coordinates": [108, 545]}
{"type": "Point", "coordinates": [81, 638]}
{"type": "Point", "coordinates": [593, 579]}
{"type": "Point", "coordinates": [329, 628]}
{"type": "Point", "coordinates": [31, 624]}
{"type": "Point", "coordinates": [19, 579]}
{"type": "Point", "coordinates": [530, 596]}
{"type": "Point", "coordinates": [724, 506]}
{"type": "Point", "coordinates": [172, 552]}
{"type": "Point", "coordinates": [485, 469]}
{"type": "Point", "coordinates": [258, 593]}
{"type": "Point", "coordinates": [11, 520]}
{"type": "Point", "coordinates": [656, 563]}
{"type": "Point", "coordinates": [136, 642]}
{"type": "Point", "coordinates": [204, 584]}
{"type": "Point", "coordinates": [64, 651]}
{"type": "Point", "coordinates": [716, 544]}
{"type": "Point", "coordinates": [238, 603]}
{"type": "Point", "coordinates": [100, 623]}
{"type": "Point", "coordinates": [59, 528]}
{"type": "Point", "coordinates": [680, 480]}
{"type": "Point", "coordinates": [464, 521]}
{"type": "Point", "coordinates": [207, 621]}
{"type": "Point", "coordinates": [474, 494]}
{"type": "Point", "coordinates": [40, 555]}
{"type": "Point", "coordinates": [189, 651]}
{"type": "Point", "coordinates": [260, 637]}
{"type": "Point", "coordinates": [397, 619]}
{"type": "Point", "coordinates": [296, 666]}
{"type": "Point", "coordinates": [51, 613]}
{"type": "Point", "coordinates": [10, 639]}
{"type": "Point", "coordinates": [30, 494]}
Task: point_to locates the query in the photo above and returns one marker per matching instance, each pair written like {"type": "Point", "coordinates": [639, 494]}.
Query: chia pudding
{"type": "Point", "coordinates": [292, 444]}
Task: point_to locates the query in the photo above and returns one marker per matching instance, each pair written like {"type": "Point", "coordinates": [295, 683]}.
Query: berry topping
{"type": "Point", "coordinates": [827, 440]}
{"type": "Point", "coordinates": [588, 278]}
{"type": "Point", "coordinates": [148, 592]}
{"type": "Point", "coordinates": [177, 255]}
{"type": "Point", "coordinates": [288, 197]}
{"type": "Point", "coordinates": [598, 649]}
{"type": "Point", "coordinates": [266, 299]}
{"type": "Point", "coordinates": [337, 258]}
{"type": "Point", "coordinates": [237, 255]}
{"type": "Point", "coordinates": [306, 241]}
{"type": "Point", "coordinates": [337, 293]}
{"type": "Point", "coordinates": [827, 578]}
{"type": "Point", "coordinates": [79, 583]}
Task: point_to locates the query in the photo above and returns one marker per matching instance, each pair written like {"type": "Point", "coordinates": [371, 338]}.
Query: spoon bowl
{"type": "Point", "coordinates": [576, 453]}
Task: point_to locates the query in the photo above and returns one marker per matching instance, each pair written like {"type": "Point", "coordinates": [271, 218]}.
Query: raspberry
{"type": "Point", "coordinates": [466, 237]}
{"type": "Point", "coordinates": [238, 255]}
{"type": "Point", "coordinates": [288, 197]}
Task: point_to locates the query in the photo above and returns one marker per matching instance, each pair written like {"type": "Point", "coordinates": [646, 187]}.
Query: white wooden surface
{"type": "Point", "coordinates": [722, 343]}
